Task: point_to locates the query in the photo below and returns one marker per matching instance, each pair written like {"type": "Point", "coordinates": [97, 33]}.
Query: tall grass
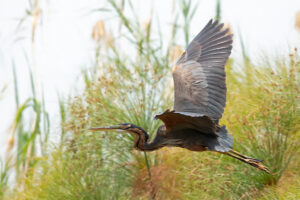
{"type": "Point", "coordinates": [273, 121]}
{"type": "Point", "coordinates": [30, 128]}
{"type": "Point", "coordinates": [30, 134]}
{"type": "Point", "coordinates": [4, 175]}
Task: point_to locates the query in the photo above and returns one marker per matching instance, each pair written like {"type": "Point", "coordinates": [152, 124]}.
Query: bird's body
{"type": "Point", "coordinates": [194, 140]}
{"type": "Point", "coordinates": [199, 100]}
{"type": "Point", "coordinates": [196, 132]}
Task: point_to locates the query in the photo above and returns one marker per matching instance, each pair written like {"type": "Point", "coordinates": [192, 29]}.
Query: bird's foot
{"type": "Point", "coordinates": [251, 161]}
{"type": "Point", "coordinates": [257, 163]}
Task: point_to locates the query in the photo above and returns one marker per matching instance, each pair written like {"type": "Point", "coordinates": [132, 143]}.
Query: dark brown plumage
{"type": "Point", "coordinates": [199, 100]}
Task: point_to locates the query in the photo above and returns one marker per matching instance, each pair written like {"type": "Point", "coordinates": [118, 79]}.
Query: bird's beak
{"type": "Point", "coordinates": [105, 128]}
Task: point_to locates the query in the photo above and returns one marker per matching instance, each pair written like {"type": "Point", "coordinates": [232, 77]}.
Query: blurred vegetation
{"type": "Point", "coordinates": [134, 84]}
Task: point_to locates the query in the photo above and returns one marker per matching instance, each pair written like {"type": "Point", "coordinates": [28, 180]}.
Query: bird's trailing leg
{"type": "Point", "coordinates": [243, 156]}
{"type": "Point", "coordinates": [251, 161]}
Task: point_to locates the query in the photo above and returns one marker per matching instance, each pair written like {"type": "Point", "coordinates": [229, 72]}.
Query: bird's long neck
{"type": "Point", "coordinates": [141, 140]}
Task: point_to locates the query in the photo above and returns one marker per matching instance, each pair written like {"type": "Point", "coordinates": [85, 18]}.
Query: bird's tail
{"type": "Point", "coordinates": [251, 161]}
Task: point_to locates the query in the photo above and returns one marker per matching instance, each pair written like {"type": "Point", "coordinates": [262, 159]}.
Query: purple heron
{"type": "Point", "coordinates": [199, 101]}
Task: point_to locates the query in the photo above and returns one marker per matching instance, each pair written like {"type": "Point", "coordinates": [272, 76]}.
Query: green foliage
{"type": "Point", "coordinates": [270, 122]}
{"type": "Point", "coordinates": [31, 125]}
{"type": "Point", "coordinates": [83, 171]}
{"type": "Point", "coordinates": [4, 174]}
{"type": "Point", "coordinates": [62, 112]}
{"type": "Point", "coordinates": [218, 10]}
{"type": "Point", "coordinates": [188, 11]}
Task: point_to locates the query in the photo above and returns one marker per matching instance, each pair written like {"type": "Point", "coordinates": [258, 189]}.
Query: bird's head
{"type": "Point", "coordinates": [140, 141]}
{"type": "Point", "coordinates": [127, 127]}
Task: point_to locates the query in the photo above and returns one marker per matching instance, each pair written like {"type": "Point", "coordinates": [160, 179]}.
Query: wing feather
{"type": "Point", "coordinates": [224, 44]}
{"type": "Point", "coordinates": [199, 78]}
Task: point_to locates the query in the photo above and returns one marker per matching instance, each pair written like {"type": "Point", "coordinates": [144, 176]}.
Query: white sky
{"type": "Point", "coordinates": [64, 46]}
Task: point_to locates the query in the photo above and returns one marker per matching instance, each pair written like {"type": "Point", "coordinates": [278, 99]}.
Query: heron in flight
{"type": "Point", "coordinates": [199, 101]}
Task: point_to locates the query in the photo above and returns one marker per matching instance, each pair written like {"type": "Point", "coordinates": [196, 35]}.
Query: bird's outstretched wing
{"type": "Point", "coordinates": [199, 75]}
